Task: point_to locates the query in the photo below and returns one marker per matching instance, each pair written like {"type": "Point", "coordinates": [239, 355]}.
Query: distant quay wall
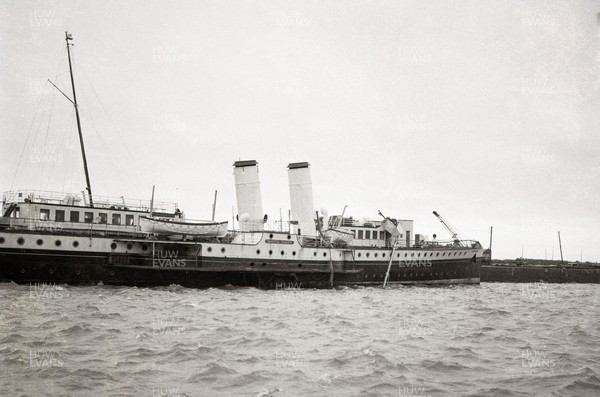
{"type": "Point", "coordinates": [531, 274]}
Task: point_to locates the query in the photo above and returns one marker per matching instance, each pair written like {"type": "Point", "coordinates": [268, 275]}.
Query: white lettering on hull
{"type": "Point", "coordinates": [168, 259]}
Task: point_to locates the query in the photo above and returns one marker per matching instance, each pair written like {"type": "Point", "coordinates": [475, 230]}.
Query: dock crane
{"type": "Point", "coordinates": [449, 228]}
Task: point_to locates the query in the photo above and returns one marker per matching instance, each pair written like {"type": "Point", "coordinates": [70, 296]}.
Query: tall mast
{"type": "Point", "coordinates": [85, 167]}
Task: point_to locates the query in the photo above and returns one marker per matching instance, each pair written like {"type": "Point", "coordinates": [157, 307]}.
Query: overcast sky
{"type": "Point", "coordinates": [485, 111]}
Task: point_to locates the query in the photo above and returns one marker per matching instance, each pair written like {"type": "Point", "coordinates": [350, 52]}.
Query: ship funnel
{"type": "Point", "coordinates": [301, 197]}
{"type": "Point", "coordinates": [247, 193]}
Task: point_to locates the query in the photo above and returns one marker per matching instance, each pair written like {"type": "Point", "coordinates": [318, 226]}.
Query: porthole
{"type": "Point", "coordinates": [366, 276]}
{"type": "Point", "coordinates": [112, 273]}
{"type": "Point", "coordinates": [324, 253]}
{"type": "Point", "coordinates": [270, 252]}
{"type": "Point", "coordinates": [20, 241]}
{"type": "Point", "coordinates": [437, 254]}
{"type": "Point", "coordinates": [282, 252]}
{"type": "Point", "coordinates": [293, 253]}
{"type": "Point", "coordinates": [22, 270]}
{"type": "Point", "coordinates": [419, 255]}
{"type": "Point", "coordinates": [1, 240]}
{"type": "Point", "coordinates": [315, 253]}
{"type": "Point", "coordinates": [398, 255]}
{"type": "Point", "coordinates": [368, 254]}
{"type": "Point", "coordinates": [223, 250]}
{"type": "Point", "coordinates": [78, 272]}
{"type": "Point", "coordinates": [76, 243]}
{"type": "Point", "coordinates": [271, 235]}
{"type": "Point", "coordinates": [359, 254]}
{"type": "Point", "coordinates": [50, 271]}
{"type": "Point", "coordinates": [405, 254]}
{"type": "Point", "coordinates": [257, 252]}
{"type": "Point", "coordinates": [129, 246]}
{"type": "Point", "coordinates": [299, 264]}
{"type": "Point", "coordinates": [443, 254]}
{"type": "Point", "coordinates": [412, 254]}
{"type": "Point", "coordinates": [264, 264]}
{"type": "Point", "coordinates": [383, 255]}
{"type": "Point", "coordinates": [144, 247]}
{"type": "Point", "coordinates": [39, 241]}
{"type": "Point", "coordinates": [57, 243]}
{"type": "Point", "coordinates": [112, 246]}
{"type": "Point", "coordinates": [209, 249]}
{"type": "Point", "coordinates": [251, 264]}
{"type": "Point", "coordinates": [289, 237]}
{"type": "Point", "coordinates": [376, 255]}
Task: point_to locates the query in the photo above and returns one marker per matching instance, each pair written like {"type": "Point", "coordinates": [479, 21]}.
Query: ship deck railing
{"type": "Point", "coordinates": [445, 244]}
{"type": "Point", "coordinates": [62, 198]}
{"type": "Point", "coordinates": [69, 228]}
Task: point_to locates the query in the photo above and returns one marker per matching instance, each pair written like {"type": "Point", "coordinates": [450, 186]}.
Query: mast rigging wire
{"type": "Point", "coordinates": [114, 126]}
{"type": "Point", "coordinates": [12, 184]}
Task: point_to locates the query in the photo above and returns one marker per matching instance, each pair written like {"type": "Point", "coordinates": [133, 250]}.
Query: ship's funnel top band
{"type": "Point", "coordinates": [303, 164]}
{"type": "Point", "coordinates": [245, 163]}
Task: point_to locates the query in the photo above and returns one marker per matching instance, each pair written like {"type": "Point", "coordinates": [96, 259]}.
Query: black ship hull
{"type": "Point", "coordinates": [71, 267]}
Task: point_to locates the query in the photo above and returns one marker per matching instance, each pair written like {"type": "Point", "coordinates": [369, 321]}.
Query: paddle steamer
{"type": "Point", "coordinates": [80, 238]}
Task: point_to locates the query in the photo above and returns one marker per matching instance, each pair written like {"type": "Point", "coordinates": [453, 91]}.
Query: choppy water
{"type": "Point", "coordinates": [493, 339]}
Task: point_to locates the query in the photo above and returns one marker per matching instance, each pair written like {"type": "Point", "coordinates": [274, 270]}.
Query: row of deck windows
{"type": "Point", "coordinates": [368, 234]}
{"type": "Point", "coordinates": [88, 217]}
